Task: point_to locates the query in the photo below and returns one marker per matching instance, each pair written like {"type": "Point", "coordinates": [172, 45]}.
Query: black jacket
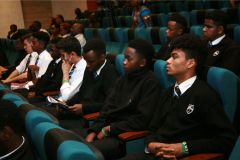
{"type": "Point", "coordinates": [197, 117]}
{"type": "Point", "coordinates": [51, 80]}
{"type": "Point", "coordinates": [94, 90]}
{"type": "Point", "coordinates": [131, 104]}
{"type": "Point", "coordinates": [226, 54]}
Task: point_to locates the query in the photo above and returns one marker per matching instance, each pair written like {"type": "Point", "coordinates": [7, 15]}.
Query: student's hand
{"type": "Point", "coordinates": [66, 67]}
{"type": "Point", "coordinates": [104, 132]}
{"type": "Point", "coordinates": [90, 137]}
{"type": "Point", "coordinates": [33, 68]}
{"type": "Point", "coordinates": [76, 109]}
{"type": "Point", "coordinates": [163, 150]}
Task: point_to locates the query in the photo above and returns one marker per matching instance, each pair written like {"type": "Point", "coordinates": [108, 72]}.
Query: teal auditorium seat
{"type": "Point", "coordinates": [226, 83]}
{"type": "Point", "coordinates": [236, 34]}
{"type": "Point", "coordinates": [53, 142]}
{"type": "Point", "coordinates": [115, 40]}
{"type": "Point", "coordinates": [235, 152]}
{"type": "Point", "coordinates": [16, 99]}
{"type": "Point", "coordinates": [88, 33]}
{"type": "Point", "coordinates": [119, 64]}
{"type": "Point", "coordinates": [153, 36]}
{"type": "Point", "coordinates": [160, 71]}
{"type": "Point", "coordinates": [163, 36]}
{"type": "Point", "coordinates": [197, 30]}
{"type": "Point", "coordinates": [34, 117]}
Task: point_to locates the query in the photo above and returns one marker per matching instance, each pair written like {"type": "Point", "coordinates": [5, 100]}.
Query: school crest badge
{"type": "Point", "coordinates": [190, 109]}
{"type": "Point", "coordinates": [216, 53]}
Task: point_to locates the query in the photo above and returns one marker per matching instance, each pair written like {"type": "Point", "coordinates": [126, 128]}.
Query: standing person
{"type": "Point", "coordinates": [13, 142]}
{"type": "Point", "coordinates": [223, 51]}
{"type": "Point", "coordinates": [20, 73]}
{"type": "Point", "coordinates": [140, 15]}
{"type": "Point", "coordinates": [131, 103]}
{"type": "Point", "coordinates": [184, 124]}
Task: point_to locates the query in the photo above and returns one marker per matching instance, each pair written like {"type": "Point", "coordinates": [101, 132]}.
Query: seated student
{"type": "Point", "coordinates": [190, 118]}
{"type": "Point", "coordinates": [176, 26]}
{"type": "Point", "coordinates": [20, 72]}
{"type": "Point", "coordinates": [223, 51]}
{"type": "Point", "coordinates": [100, 75]}
{"type": "Point", "coordinates": [13, 144]}
{"type": "Point", "coordinates": [73, 67]}
{"type": "Point", "coordinates": [52, 79]}
{"type": "Point", "coordinates": [39, 43]}
{"type": "Point", "coordinates": [130, 104]}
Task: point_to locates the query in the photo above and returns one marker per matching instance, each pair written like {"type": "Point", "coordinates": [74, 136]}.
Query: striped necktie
{"type": "Point", "coordinates": [71, 71]}
{"type": "Point", "coordinates": [177, 91]}
{"type": "Point", "coordinates": [27, 63]}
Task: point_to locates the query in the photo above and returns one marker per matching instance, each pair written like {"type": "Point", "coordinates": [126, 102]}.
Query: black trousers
{"type": "Point", "coordinates": [112, 148]}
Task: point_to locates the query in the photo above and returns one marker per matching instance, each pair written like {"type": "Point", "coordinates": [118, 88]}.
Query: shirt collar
{"type": "Point", "coordinates": [186, 84]}
{"type": "Point", "coordinates": [80, 63]}
{"type": "Point", "coordinates": [58, 60]}
{"type": "Point", "coordinates": [218, 40]}
{"type": "Point", "coordinates": [99, 70]}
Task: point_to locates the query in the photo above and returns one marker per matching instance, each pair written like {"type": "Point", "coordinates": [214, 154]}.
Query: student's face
{"type": "Point", "coordinates": [94, 61]}
{"type": "Point", "coordinates": [36, 45]}
{"type": "Point", "coordinates": [132, 60]}
{"type": "Point", "coordinates": [27, 46]}
{"type": "Point", "coordinates": [68, 57]}
{"type": "Point", "coordinates": [178, 64]}
{"type": "Point", "coordinates": [54, 30]}
{"type": "Point", "coordinates": [55, 53]}
{"type": "Point", "coordinates": [210, 30]}
{"type": "Point", "coordinates": [173, 30]}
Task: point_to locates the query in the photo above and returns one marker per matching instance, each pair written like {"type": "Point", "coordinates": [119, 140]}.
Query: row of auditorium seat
{"type": "Point", "coordinates": [49, 140]}
{"type": "Point", "coordinates": [116, 39]}
{"type": "Point", "coordinates": [172, 6]}
{"type": "Point", "coordinates": [194, 17]}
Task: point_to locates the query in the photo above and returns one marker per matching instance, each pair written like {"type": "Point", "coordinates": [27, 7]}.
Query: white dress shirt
{"type": "Point", "coordinates": [80, 37]}
{"type": "Point", "coordinates": [22, 66]}
{"type": "Point", "coordinates": [218, 40]}
{"type": "Point", "coordinates": [70, 88]}
{"type": "Point", "coordinates": [44, 60]}
{"type": "Point", "coordinates": [186, 84]}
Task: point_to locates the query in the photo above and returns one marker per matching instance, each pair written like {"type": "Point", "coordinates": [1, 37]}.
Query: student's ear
{"type": "Point", "coordinates": [191, 63]}
{"type": "Point", "coordinates": [220, 30]}
{"type": "Point", "coordinates": [143, 62]}
{"type": "Point", "coordinates": [180, 31]}
{"type": "Point", "coordinates": [6, 133]}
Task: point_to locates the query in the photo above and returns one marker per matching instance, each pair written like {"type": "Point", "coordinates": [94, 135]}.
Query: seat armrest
{"type": "Point", "coordinates": [91, 116]}
{"type": "Point", "coordinates": [51, 93]}
{"type": "Point", "coordinates": [203, 156]}
{"type": "Point", "coordinates": [132, 135]}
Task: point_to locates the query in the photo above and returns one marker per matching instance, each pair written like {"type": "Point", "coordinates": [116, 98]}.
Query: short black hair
{"type": "Point", "coordinates": [10, 116]}
{"type": "Point", "coordinates": [95, 44]}
{"type": "Point", "coordinates": [180, 20]}
{"type": "Point", "coordinates": [70, 44]}
{"type": "Point", "coordinates": [56, 40]}
{"type": "Point", "coordinates": [143, 48]}
{"type": "Point", "coordinates": [219, 17]}
{"type": "Point", "coordinates": [193, 47]}
{"type": "Point", "coordinates": [38, 24]}
{"type": "Point", "coordinates": [42, 36]}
